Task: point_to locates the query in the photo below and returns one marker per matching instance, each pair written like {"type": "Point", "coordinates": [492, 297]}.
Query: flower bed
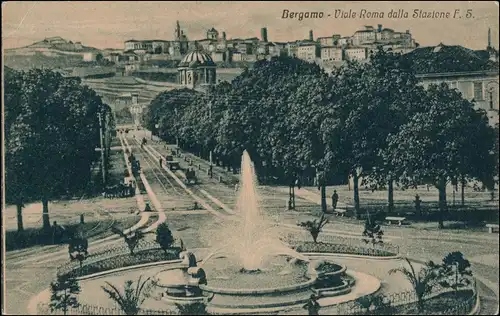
{"type": "Point", "coordinates": [118, 258]}
{"type": "Point", "coordinates": [321, 247]}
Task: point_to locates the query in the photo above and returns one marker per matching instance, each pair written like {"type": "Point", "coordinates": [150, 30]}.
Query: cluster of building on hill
{"type": "Point", "coordinates": [323, 49]}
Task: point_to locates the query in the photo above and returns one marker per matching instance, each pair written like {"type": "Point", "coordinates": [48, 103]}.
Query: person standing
{"type": "Point", "coordinates": [335, 199]}
{"type": "Point", "coordinates": [312, 305]}
{"type": "Point", "coordinates": [417, 202]}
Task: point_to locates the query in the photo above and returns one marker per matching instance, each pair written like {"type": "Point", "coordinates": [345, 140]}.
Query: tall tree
{"type": "Point", "coordinates": [396, 95]}
{"type": "Point", "coordinates": [448, 139]}
{"type": "Point", "coordinates": [351, 146]}
{"type": "Point", "coordinates": [52, 131]}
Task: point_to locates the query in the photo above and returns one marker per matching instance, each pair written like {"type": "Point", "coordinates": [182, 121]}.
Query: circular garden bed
{"type": "Point", "coordinates": [320, 247]}
{"type": "Point", "coordinates": [119, 260]}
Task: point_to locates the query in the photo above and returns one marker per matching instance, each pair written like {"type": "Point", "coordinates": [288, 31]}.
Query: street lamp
{"type": "Point", "coordinates": [101, 140]}
{"type": "Point", "coordinates": [176, 136]}
{"type": "Point", "coordinates": [210, 153]}
{"type": "Point", "coordinates": [156, 129]}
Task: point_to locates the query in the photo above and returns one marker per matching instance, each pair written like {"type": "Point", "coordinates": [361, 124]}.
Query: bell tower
{"type": "Point", "coordinates": [489, 38]}
{"type": "Point", "coordinates": [177, 34]}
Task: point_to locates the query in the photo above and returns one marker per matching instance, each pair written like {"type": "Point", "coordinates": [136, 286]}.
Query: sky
{"type": "Point", "coordinates": [104, 24]}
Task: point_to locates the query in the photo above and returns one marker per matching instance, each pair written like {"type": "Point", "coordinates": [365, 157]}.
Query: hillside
{"type": "Point", "coordinates": [53, 52]}
{"type": "Point", "coordinates": [54, 43]}
{"type": "Point", "coordinates": [40, 60]}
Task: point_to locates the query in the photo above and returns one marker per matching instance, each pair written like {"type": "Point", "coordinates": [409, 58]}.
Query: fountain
{"type": "Point", "coordinates": [251, 268]}
{"type": "Point", "coordinates": [252, 241]}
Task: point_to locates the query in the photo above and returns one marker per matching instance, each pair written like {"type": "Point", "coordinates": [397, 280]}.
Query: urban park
{"type": "Point", "coordinates": [252, 267]}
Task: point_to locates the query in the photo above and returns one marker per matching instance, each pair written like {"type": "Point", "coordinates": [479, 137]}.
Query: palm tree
{"type": "Point", "coordinates": [132, 239]}
{"type": "Point", "coordinates": [314, 227]}
{"type": "Point", "coordinates": [130, 300]}
{"type": "Point", "coordinates": [422, 282]}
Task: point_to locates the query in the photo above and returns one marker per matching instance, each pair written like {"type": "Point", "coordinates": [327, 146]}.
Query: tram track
{"type": "Point", "coordinates": [192, 191]}
{"type": "Point", "coordinates": [158, 173]}
{"type": "Point", "coordinates": [204, 166]}
{"type": "Point", "coordinates": [152, 196]}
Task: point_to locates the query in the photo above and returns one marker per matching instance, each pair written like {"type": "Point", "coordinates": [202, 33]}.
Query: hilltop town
{"type": "Point", "coordinates": [326, 51]}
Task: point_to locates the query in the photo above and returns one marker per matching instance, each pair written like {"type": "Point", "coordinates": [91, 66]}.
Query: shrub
{"type": "Point", "coordinates": [164, 237]}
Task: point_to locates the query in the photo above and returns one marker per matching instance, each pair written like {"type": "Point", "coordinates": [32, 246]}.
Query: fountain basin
{"type": "Point", "coordinates": [185, 300]}
{"type": "Point", "coordinates": [342, 289]}
{"type": "Point", "coordinates": [256, 291]}
{"type": "Point", "coordinates": [240, 299]}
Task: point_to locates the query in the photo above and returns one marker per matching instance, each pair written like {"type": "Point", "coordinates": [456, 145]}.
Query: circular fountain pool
{"type": "Point", "coordinates": [222, 272]}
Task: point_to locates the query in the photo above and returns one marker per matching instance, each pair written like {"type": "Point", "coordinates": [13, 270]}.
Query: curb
{"type": "Point", "coordinates": [328, 254]}
{"type": "Point", "coordinates": [477, 307]}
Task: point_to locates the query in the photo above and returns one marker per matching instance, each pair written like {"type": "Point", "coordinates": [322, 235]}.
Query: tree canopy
{"type": "Point", "coordinates": [51, 133]}
{"type": "Point", "coordinates": [372, 120]}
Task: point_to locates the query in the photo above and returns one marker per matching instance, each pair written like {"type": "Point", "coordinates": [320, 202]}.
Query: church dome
{"type": "Point", "coordinates": [197, 59]}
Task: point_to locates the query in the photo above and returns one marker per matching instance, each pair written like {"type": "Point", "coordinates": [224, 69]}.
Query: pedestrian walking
{"type": "Point", "coordinates": [335, 199]}
{"type": "Point", "coordinates": [236, 187]}
{"type": "Point", "coordinates": [147, 208]}
{"type": "Point", "coordinates": [161, 160]}
{"type": "Point", "coordinates": [57, 233]}
{"type": "Point", "coordinates": [312, 305]}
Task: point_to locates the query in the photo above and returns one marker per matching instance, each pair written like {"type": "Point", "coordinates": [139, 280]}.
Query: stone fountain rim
{"type": "Point", "coordinates": [171, 285]}
{"type": "Point", "coordinates": [254, 291]}
{"type": "Point", "coordinates": [343, 269]}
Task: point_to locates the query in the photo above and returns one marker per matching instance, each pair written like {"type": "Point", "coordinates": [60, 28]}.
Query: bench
{"type": "Point", "coordinates": [399, 220]}
{"type": "Point", "coordinates": [340, 212]}
{"type": "Point", "coordinates": [492, 228]}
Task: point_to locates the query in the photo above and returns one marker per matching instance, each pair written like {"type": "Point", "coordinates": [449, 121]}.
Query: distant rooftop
{"type": "Point", "coordinates": [454, 58]}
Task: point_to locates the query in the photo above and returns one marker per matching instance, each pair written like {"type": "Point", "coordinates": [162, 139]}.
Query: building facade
{"type": "Point", "coordinates": [478, 86]}
{"type": "Point", "coordinates": [331, 53]}
{"type": "Point", "coordinates": [356, 53]}
{"type": "Point", "coordinates": [307, 51]}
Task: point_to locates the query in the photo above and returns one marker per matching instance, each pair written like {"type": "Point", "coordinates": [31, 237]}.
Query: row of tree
{"type": "Point", "coordinates": [51, 133]}
{"type": "Point", "coordinates": [370, 121]}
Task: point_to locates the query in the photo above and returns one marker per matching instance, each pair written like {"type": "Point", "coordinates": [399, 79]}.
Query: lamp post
{"type": "Point", "coordinates": [156, 129]}
{"type": "Point", "coordinates": [210, 153]}
{"type": "Point", "coordinates": [103, 162]}
{"type": "Point", "coordinates": [176, 136]}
